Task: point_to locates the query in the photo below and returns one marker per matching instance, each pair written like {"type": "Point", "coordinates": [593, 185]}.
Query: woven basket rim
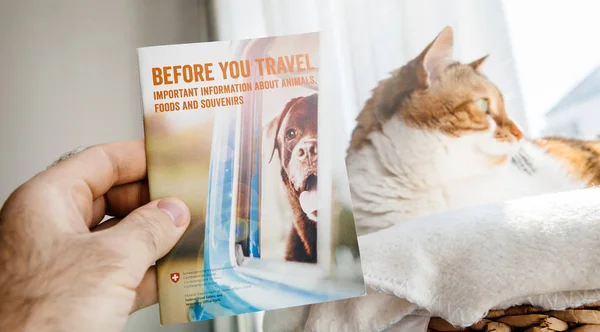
{"type": "Point", "coordinates": [530, 318]}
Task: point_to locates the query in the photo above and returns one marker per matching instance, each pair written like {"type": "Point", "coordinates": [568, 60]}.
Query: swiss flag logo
{"type": "Point", "coordinates": [175, 277]}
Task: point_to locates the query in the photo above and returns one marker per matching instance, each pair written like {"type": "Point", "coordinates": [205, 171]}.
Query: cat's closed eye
{"type": "Point", "coordinates": [483, 104]}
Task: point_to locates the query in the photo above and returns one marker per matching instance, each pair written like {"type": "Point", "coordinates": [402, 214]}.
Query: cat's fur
{"type": "Point", "coordinates": [435, 136]}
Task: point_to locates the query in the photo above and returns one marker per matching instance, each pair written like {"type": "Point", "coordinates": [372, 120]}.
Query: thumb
{"type": "Point", "coordinates": [149, 232]}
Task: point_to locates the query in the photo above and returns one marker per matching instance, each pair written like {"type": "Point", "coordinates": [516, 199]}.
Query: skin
{"type": "Point", "coordinates": [63, 270]}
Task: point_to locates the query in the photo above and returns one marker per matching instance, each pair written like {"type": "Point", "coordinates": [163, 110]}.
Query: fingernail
{"type": "Point", "coordinates": [174, 209]}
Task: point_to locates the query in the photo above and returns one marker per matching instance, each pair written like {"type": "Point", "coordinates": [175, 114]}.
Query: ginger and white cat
{"type": "Point", "coordinates": [435, 136]}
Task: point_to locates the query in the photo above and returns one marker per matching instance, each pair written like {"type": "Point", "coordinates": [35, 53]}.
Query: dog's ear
{"type": "Point", "coordinates": [313, 100]}
{"type": "Point", "coordinates": [270, 135]}
{"type": "Point", "coordinates": [275, 125]}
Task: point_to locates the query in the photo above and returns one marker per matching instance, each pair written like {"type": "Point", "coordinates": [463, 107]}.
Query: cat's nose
{"type": "Point", "coordinates": [517, 133]}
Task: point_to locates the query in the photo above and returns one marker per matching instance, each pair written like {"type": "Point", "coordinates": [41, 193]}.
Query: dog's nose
{"type": "Point", "coordinates": [307, 150]}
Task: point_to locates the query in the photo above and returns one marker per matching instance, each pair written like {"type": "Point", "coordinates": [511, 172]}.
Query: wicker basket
{"type": "Point", "coordinates": [531, 319]}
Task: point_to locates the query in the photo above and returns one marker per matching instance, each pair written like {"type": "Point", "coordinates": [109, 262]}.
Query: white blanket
{"type": "Point", "coordinates": [458, 265]}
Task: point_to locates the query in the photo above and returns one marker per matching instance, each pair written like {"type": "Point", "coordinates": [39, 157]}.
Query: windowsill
{"type": "Point", "coordinates": [303, 276]}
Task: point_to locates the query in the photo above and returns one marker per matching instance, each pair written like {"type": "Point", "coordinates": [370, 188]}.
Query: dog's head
{"type": "Point", "coordinates": [295, 141]}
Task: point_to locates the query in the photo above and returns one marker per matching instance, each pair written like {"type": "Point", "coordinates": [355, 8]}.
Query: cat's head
{"type": "Point", "coordinates": [451, 101]}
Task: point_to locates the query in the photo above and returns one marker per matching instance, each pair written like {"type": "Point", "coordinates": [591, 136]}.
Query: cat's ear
{"type": "Point", "coordinates": [435, 58]}
{"type": "Point", "coordinates": [477, 63]}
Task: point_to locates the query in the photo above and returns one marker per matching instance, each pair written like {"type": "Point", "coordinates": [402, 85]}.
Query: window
{"type": "Point", "coordinates": [244, 203]}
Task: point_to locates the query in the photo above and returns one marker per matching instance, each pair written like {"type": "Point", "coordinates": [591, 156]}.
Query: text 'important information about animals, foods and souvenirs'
{"type": "Point", "coordinates": [244, 75]}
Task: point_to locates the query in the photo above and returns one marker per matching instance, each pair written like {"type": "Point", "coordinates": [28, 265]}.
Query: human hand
{"type": "Point", "coordinates": [63, 270]}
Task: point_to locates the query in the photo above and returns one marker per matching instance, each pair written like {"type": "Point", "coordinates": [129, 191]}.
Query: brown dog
{"type": "Point", "coordinates": [295, 141]}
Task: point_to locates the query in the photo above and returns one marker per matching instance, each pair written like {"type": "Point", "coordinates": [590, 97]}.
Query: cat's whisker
{"type": "Point", "coordinates": [516, 159]}
{"type": "Point", "coordinates": [529, 163]}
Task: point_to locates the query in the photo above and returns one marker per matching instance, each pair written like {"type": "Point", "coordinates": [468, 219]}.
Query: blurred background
{"type": "Point", "coordinates": [68, 68]}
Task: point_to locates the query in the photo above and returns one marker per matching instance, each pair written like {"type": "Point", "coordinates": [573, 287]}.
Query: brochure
{"type": "Point", "coordinates": [234, 129]}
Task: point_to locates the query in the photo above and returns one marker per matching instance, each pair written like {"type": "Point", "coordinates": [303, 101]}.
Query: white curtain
{"type": "Point", "coordinates": [363, 40]}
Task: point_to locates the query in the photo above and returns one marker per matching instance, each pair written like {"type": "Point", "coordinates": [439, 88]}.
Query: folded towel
{"type": "Point", "coordinates": [541, 250]}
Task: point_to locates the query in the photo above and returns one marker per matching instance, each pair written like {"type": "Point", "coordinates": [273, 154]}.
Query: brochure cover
{"type": "Point", "coordinates": [234, 129]}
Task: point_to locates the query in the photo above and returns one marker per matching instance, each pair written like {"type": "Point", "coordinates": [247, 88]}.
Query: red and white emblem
{"type": "Point", "coordinates": [175, 277]}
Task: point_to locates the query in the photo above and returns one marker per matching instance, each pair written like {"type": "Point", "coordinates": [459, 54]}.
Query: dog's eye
{"type": "Point", "coordinates": [290, 134]}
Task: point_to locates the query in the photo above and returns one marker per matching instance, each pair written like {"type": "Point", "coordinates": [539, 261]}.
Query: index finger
{"type": "Point", "coordinates": [100, 167]}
